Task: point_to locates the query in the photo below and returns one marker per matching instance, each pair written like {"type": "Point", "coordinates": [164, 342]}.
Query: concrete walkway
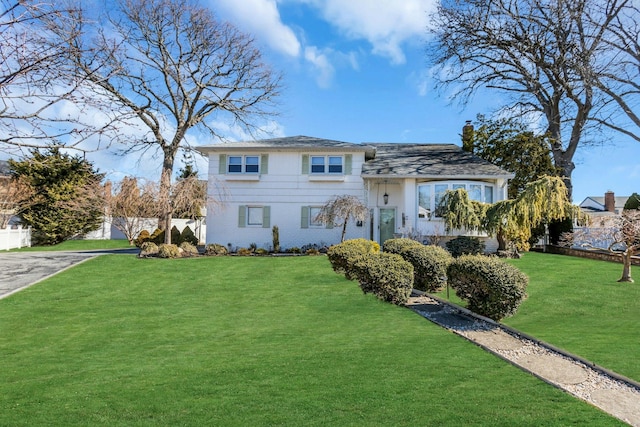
{"type": "Point", "coordinates": [606, 390]}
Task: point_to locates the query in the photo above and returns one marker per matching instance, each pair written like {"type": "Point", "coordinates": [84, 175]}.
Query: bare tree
{"type": "Point", "coordinates": [188, 197]}
{"type": "Point", "coordinates": [340, 209]}
{"type": "Point", "coordinates": [130, 206]}
{"type": "Point", "coordinates": [544, 55]}
{"type": "Point", "coordinates": [621, 235]}
{"type": "Point", "coordinates": [36, 85]}
{"type": "Point", "coordinates": [619, 80]}
{"type": "Point", "coordinates": [170, 66]}
{"type": "Point", "coordinates": [14, 192]}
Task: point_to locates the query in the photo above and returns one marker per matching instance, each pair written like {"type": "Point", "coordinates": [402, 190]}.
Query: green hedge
{"type": "Point", "coordinates": [397, 246]}
{"type": "Point", "coordinates": [430, 265]}
{"type": "Point", "coordinates": [343, 255]}
{"type": "Point", "coordinates": [385, 275]}
{"type": "Point", "coordinates": [465, 245]}
{"type": "Point", "coordinates": [490, 286]}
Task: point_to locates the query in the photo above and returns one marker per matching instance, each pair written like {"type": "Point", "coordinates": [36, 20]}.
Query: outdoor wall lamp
{"type": "Point", "coordinates": [385, 197]}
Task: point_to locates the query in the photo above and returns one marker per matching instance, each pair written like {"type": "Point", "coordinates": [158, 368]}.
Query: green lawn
{"type": "Point", "coordinates": [248, 341]}
{"type": "Point", "coordinates": [578, 305]}
{"type": "Point", "coordinates": [79, 245]}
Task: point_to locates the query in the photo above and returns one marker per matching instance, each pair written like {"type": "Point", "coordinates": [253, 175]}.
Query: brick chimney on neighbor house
{"type": "Point", "coordinates": [609, 201]}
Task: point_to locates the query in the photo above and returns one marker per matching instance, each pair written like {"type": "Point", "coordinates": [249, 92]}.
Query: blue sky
{"type": "Point", "coordinates": [356, 71]}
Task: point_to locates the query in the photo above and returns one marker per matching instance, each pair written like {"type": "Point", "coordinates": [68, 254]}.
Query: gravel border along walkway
{"type": "Point", "coordinates": [612, 393]}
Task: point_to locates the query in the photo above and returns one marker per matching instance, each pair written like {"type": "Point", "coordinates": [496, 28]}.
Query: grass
{"type": "Point", "coordinates": [78, 245]}
{"type": "Point", "coordinates": [578, 305]}
{"type": "Point", "coordinates": [248, 341]}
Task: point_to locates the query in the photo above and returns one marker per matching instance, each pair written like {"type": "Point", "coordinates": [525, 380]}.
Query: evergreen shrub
{"type": "Point", "coordinates": [187, 235]}
{"type": "Point", "coordinates": [430, 265]}
{"type": "Point", "coordinates": [188, 249]}
{"type": "Point", "coordinates": [143, 237]}
{"type": "Point", "coordinates": [465, 245]}
{"type": "Point", "coordinates": [491, 287]}
{"type": "Point", "coordinates": [148, 249]}
{"type": "Point", "coordinates": [343, 255]}
{"type": "Point", "coordinates": [168, 251]}
{"type": "Point", "coordinates": [397, 246]}
{"type": "Point", "coordinates": [215, 249]}
{"type": "Point", "coordinates": [387, 276]}
{"type": "Point", "coordinates": [157, 236]}
{"type": "Point", "coordinates": [175, 236]}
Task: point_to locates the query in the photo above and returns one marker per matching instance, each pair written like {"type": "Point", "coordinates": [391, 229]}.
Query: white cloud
{"type": "Point", "coordinates": [385, 24]}
{"type": "Point", "coordinates": [320, 61]}
{"type": "Point", "coordinates": [262, 18]}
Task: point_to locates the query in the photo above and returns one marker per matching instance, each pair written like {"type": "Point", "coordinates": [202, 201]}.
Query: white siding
{"type": "Point", "coordinates": [285, 190]}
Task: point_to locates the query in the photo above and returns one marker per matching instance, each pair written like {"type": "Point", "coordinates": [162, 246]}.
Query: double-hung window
{"type": "Point", "coordinates": [243, 164]}
{"type": "Point", "coordinates": [326, 164]}
{"type": "Point", "coordinates": [254, 216]}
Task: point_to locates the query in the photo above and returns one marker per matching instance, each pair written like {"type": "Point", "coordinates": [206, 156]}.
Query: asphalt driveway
{"type": "Point", "coordinates": [19, 270]}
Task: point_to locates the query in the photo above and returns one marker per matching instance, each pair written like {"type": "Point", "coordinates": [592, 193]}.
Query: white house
{"type": "Point", "coordinates": [284, 181]}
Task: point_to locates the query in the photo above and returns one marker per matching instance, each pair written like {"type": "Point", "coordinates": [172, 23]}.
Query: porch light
{"type": "Point", "coordinates": [385, 197]}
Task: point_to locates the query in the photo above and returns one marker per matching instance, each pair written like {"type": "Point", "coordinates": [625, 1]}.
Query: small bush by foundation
{"type": "Point", "coordinates": [216, 249]}
{"type": "Point", "coordinates": [465, 245]}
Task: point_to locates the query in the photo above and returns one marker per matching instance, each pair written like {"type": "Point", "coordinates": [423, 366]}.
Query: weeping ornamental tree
{"type": "Point", "coordinates": [511, 221]}
{"type": "Point", "coordinates": [340, 209]}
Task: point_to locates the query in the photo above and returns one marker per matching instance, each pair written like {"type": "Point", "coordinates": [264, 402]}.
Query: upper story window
{"type": "Point", "coordinates": [326, 164]}
{"type": "Point", "coordinates": [430, 195]}
{"type": "Point", "coordinates": [243, 164]}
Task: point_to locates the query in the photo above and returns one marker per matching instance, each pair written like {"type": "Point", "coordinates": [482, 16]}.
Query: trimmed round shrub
{"type": "Point", "coordinates": [187, 235]}
{"type": "Point", "coordinates": [465, 245]}
{"type": "Point", "coordinates": [261, 251]}
{"type": "Point", "coordinates": [397, 246]}
{"type": "Point", "coordinates": [215, 249]}
{"type": "Point", "coordinates": [491, 287]}
{"type": "Point", "coordinates": [387, 276]}
{"type": "Point", "coordinates": [188, 249]}
{"type": "Point", "coordinates": [148, 249]}
{"type": "Point", "coordinates": [143, 237]}
{"type": "Point", "coordinates": [343, 255]}
{"type": "Point", "coordinates": [168, 251]}
{"type": "Point", "coordinates": [244, 251]}
{"type": "Point", "coordinates": [430, 265]}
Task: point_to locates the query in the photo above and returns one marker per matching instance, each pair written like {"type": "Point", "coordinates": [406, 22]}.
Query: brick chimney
{"type": "Point", "coordinates": [609, 201]}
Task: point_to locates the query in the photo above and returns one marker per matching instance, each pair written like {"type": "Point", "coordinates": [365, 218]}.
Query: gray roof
{"type": "Point", "coordinates": [620, 201]}
{"type": "Point", "coordinates": [286, 143]}
{"type": "Point", "coordinates": [429, 160]}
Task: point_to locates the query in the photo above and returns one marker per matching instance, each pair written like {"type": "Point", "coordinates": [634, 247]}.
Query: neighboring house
{"type": "Point", "coordinates": [602, 208]}
{"type": "Point", "coordinates": [603, 213]}
{"type": "Point", "coordinates": [284, 182]}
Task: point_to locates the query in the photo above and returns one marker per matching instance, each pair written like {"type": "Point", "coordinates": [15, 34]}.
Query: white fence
{"type": "Point", "coordinates": [11, 238]}
{"type": "Point", "coordinates": [108, 231]}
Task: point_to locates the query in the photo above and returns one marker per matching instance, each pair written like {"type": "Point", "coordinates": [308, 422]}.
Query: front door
{"type": "Point", "coordinates": [387, 224]}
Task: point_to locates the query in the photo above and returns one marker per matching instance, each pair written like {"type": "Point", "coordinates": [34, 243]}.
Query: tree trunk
{"type": "Point", "coordinates": [626, 269]}
{"type": "Point", "coordinates": [164, 220]}
{"type": "Point", "coordinates": [344, 229]}
{"type": "Point", "coordinates": [502, 243]}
